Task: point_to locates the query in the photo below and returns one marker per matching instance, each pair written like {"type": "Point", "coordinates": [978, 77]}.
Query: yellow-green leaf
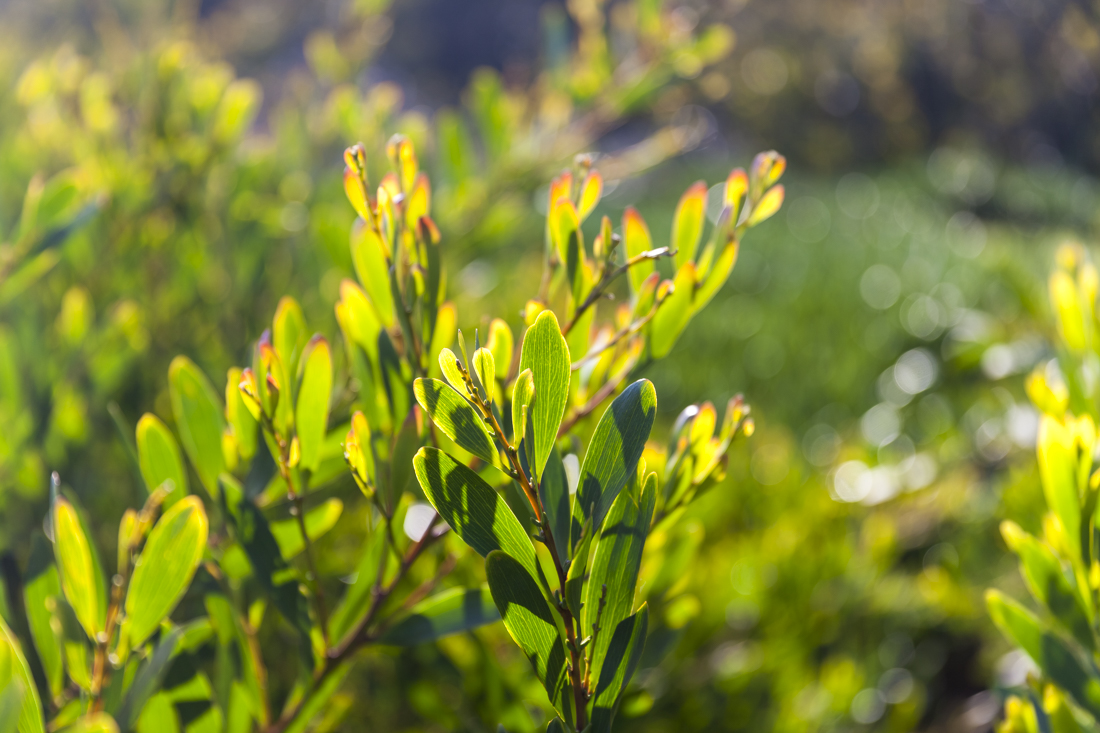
{"type": "Point", "coordinates": [455, 417]}
{"type": "Point", "coordinates": [486, 369]}
{"type": "Point", "coordinates": [199, 418]}
{"type": "Point", "coordinates": [768, 204]}
{"type": "Point", "coordinates": [636, 239]}
{"type": "Point", "coordinates": [546, 354]}
{"type": "Point", "coordinates": [159, 458]}
{"type": "Point", "coordinates": [14, 668]}
{"type": "Point", "coordinates": [167, 563]}
{"type": "Point", "coordinates": [473, 510]}
{"type": "Point", "coordinates": [591, 189]}
{"type": "Point", "coordinates": [77, 565]}
{"type": "Point", "coordinates": [687, 223]}
{"type": "Point", "coordinates": [502, 344]}
{"type": "Point", "coordinates": [289, 335]}
{"type": "Point", "coordinates": [673, 314]}
{"type": "Point", "coordinates": [311, 415]}
{"type": "Point", "coordinates": [368, 254]}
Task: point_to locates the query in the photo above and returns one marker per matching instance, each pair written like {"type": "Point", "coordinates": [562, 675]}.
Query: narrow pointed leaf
{"type": "Point", "coordinates": [615, 565]}
{"type": "Point", "coordinates": [311, 413]}
{"type": "Point", "coordinates": [358, 598]}
{"type": "Point", "coordinates": [449, 612]}
{"type": "Point", "coordinates": [767, 206]}
{"type": "Point", "coordinates": [164, 571]}
{"type": "Point", "coordinates": [554, 495]}
{"type": "Point", "coordinates": [523, 394]}
{"type": "Point", "coordinates": [485, 367]}
{"type": "Point", "coordinates": [546, 354]}
{"type": "Point", "coordinates": [636, 239]}
{"type": "Point", "coordinates": [471, 508]}
{"type": "Point", "coordinates": [687, 223]}
{"type": "Point", "coordinates": [1055, 658]}
{"type": "Point", "coordinates": [148, 679]}
{"type": "Point", "coordinates": [368, 254]}
{"type": "Point", "coordinates": [673, 314]}
{"type": "Point", "coordinates": [612, 457]}
{"type": "Point", "coordinates": [591, 190]}
{"type": "Point", "coordinates": [623, 654]}
{"type": "Point", "coordinates": [11, 706]}
{"type": "Point", "coordinates": [448, 364]}
{"type": "Point", "coordinates": [14, 668]}
{"type": "Point", "coordinates": [159, 458]}
{"type": "Point", "coordinates": [199, 419]}
{"type": "Point", "coordinates": [77, 566]}
{"type": "Point", "coordinates": [529, 619]}
{"type": "Point", "coordinates": [455, 418]}
{"type": "Point", "coordinates": [289, 335]}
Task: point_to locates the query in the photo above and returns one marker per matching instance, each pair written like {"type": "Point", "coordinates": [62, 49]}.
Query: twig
{"type": "Point", "coordinates": [609, 277]}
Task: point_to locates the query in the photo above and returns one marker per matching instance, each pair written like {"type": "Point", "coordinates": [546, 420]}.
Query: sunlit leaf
{"type": "Point", "coordinates": [159, 458]}
{"type": "Point", "coordinates": [673, 314]}
{"type": "Point", "coordinates": [148, 678]}
{"type": "Point", "coordinates": [14, 668]}
{"type": "Point", "coordinates": [615, 564]}
{"type": "Point", "coordinates": [636, 239]}
{"type": "Point", "coordinates": [624, 651]}
{"type": "Point", "coordinates": [529, 620]}
{"type": "Point", "coordinates": [456, 418]}
{"type": "Point", "coordinates": [167, 563]}
{"type": "Point", "coordinates": [546, 354]}
{"type": "Point", "coordinates": [768, 204]}
{"type": "Point", "coordinates": [554, 495]}
{"type": "Point", "coordinates": [369, 255]}
{"type": "Point", "coordinates": [94, 723]}
{"type": "Point", "coordinates": [80, 577]}
{"type": "Point", "coordinates": [289, 335]}
{"type": "Point", "coordinates": [470, 506]}
{"type": "Point", "coordinates": [612, 457]}
{"type": "Point", "coordinates": [199, 419]}
{"type": "Point", "coordinates": [687, 223]}
{"type": "Point", "coordinates": [486, 370]}
{"type": "Point", "coordinates": [311, 413]}
{"type": "Point", "coordinates": [591, 189]}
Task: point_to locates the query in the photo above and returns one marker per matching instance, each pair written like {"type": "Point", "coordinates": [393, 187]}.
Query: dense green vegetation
{"type": "Point", "coordinates": [156, 210]}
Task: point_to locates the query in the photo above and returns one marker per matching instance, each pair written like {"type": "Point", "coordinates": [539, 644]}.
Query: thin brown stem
{"type": "Point", "coordinates": [609, 277]}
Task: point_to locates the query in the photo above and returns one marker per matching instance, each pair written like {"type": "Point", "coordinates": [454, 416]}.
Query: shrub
{"type": "Point", "coordinates": [539, 461]}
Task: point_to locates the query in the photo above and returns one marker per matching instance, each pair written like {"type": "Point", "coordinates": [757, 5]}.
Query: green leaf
{"type": "Point", "coordinates": [41, 594]}
{"type": "Point", "coordinates": [456, 418]}
{"type": "Point", "coordinates": [311, 413]}
{"type": "Point", "coordinates": [578, 571]}
{"type": "Point", "coordinates": [245, 426]}
{"type": "Point", "coordinates": [529, 620]}
{"type": "Point", "coordinates": [94, 723]}
{"type": "Point", "coordinates": [159, 716]}
{"type": "Point", "coordinates": [617, 558]}
{"type": "Point", "coordinates": [1061, 477]}
{"type": "Point", "coordinates": [546, 354]}
{"type": "Point", "coordinates": [767, 206]}
{"type": "Point", "coordinates": [80, 576]}
{"type": "Point", "coordinates": [449, 365]}
{"type": "Point", "coordinates": [556, 726]}
{"type": "Point", "coordinates": [502, 344]}
{"type": "Point", "coordinates": [164, 571]}
{"type": "Point", "coordinates": [687, 223]}
{"type": "Point", "coordinates": [11, 705]}
{"type": "Point", "coordinates": [14, 668]}
{"type": "Point", "coordinates": [1057, 661]}
{"type": "Point", "coordinates": [288, 336]}
{"type": "Point", "coordinates": [472, 509]}
{"type": "Point", "coordinates": [623, 654]}
{"type": "Point", "coordinates": [318, 520]}
{"type": "Point", "coordinates": [636, 239]}
{"type": "Point", "coordinates": [1048, 584]}
{"type": "Point", "coordinates": [148, 679]}
{"type": "Point", "coordinates": [405, 444]}
{"type": "Point", "coordinates": [368, 254]}
{"type": "Point", "coordinates": [554, 495]}
{"type": "Point", "coordinates": [159, 458]}
{"type": "Point", "coordinates": [199, 419]}
{"type": "Point", "coordinates": [523, 395]}
{"type": "Point", "coordinates": [673, 314]}
{"type": "Point", "coordinates": [613, 453]}
{"type": "Point", "coordinates": [486, 369]}
{"type": "Point", "coordinates": [450, 612]}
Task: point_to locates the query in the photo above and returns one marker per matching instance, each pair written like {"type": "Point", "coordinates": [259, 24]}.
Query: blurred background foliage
{"type": "Point", "coordinates": [169, 170]}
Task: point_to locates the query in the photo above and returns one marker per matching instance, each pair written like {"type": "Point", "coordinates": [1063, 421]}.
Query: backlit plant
{"type": "Point", "coordinates": [534, 452]}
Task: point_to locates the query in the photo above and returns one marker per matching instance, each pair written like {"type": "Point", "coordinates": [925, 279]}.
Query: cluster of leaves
{"type": "Point", "coordinates": [208, 217]}
{"type": "Point", "coordinates": [496, 458]}
{"type": "Point", "coordinates": [1061, 568]}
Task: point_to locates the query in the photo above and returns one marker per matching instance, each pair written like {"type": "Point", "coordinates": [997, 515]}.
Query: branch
{"type": "Point", "coordinates": [609, 277]}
